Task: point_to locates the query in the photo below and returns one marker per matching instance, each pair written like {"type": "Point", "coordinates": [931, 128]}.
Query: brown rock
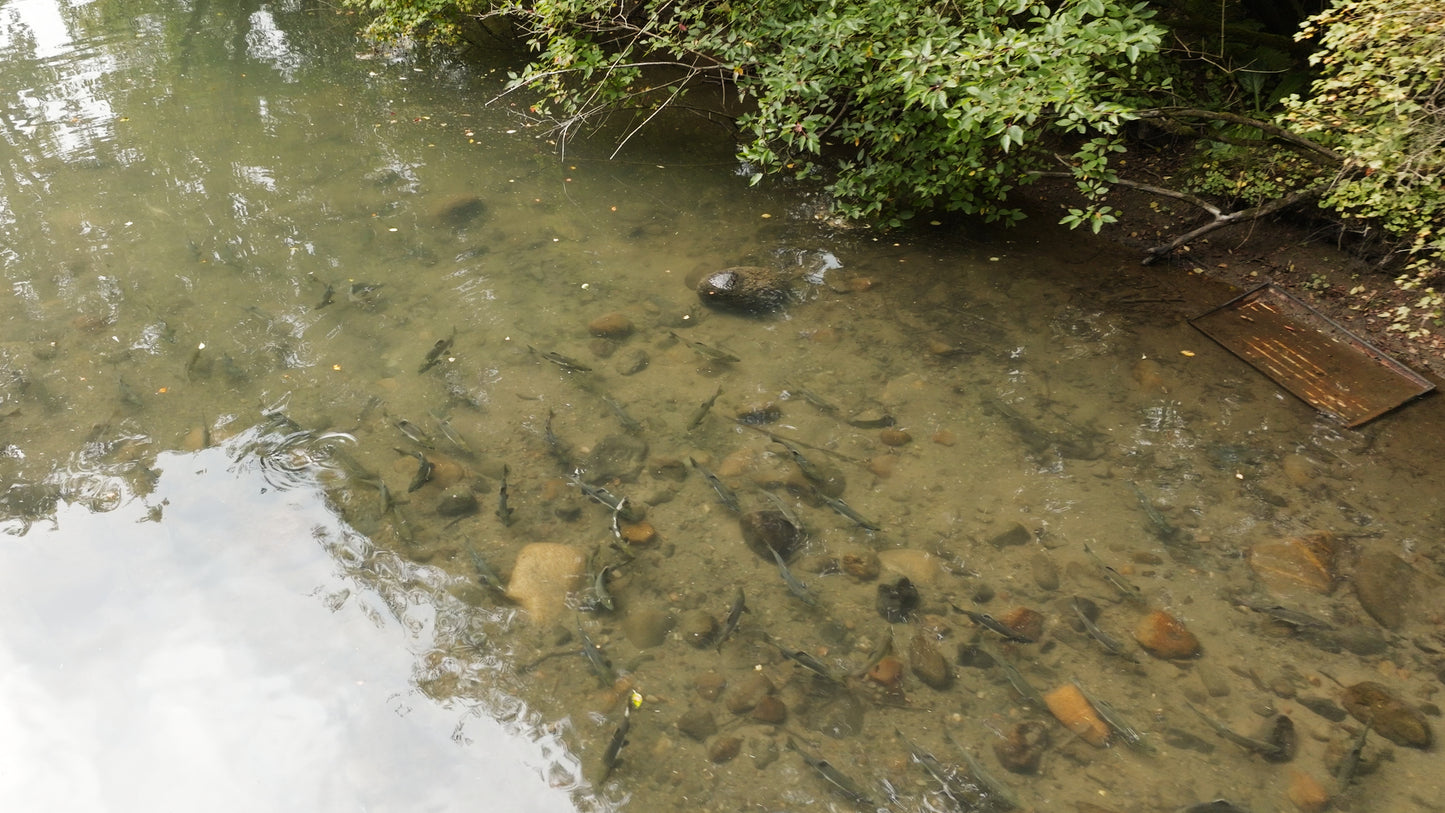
{"type": "Point", "coordinates": [770, 530]}
{"type": "Point", "coordinates": [894, 437]}
{"type": "Point", "coordinates": [1164, 636]}
{"type": "Point", "coordinates": [638, 533]}
{"type": "Point", "coordinates": [747, 691]}
{"type": "Point", "coordinates": [1022, 746]}
{"type": "Point", "coordinates": [697, 723]}
{"type": "Point", "coordinates": [1301, 563]}
{"type": "Point", "coordinates": [646, 627]}
{"type": "Point", "coordinates": [1044, 571]}
{"type": "Point", "coordinates": [921, 567]}
{"type": "Point", "coordinates": [610, 326]}
{"type": "Point", "coordinates": [1024, 623]}
{"type": "Point", "coordinates": [1393, 718]}
{"type": "Point", "coordinates": [723, 749]}
{"type": "Point", "coordinates": [1068, 704]}
{"type": "Point", "coordinates": [863, 565]}
{"type": "Point", "coordinates": [709, 685]}
{"type": "Point", "coordinates": [1383, 583]}
{"type": "Point", "coordinates": [945, 437]}
{"type": "Point", "coordinates": [545, 572]}
{"type": "Point", "coordinates": [887, 672]}
{"type": "Point", "coordinates": [928, 662]}
{"type": "Point", "coordinates": [1017, 534]}
{"type": "Point", "coordinates": [770, 710]}
{"type": "Point", "coordinates": [1306, 792]}
{"type": "Point", "coordinates": [698, 628]}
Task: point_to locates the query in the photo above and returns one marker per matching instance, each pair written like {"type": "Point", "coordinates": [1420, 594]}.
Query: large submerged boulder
{"type": "Point", "coordinates": [544, 574]}
{"type": "Point", "coordinates": [744, 288]}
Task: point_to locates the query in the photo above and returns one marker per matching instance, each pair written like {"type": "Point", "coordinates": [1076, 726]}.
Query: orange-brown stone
{"type": "Point", "coordinates": [1164, 636]}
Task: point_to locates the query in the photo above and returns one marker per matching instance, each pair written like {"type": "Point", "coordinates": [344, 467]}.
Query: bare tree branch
{"type": "Point", "coordinates": [1220, 221]}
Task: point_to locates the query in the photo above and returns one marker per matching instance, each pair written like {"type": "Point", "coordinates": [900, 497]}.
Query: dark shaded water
{"type": "Point", "coordinates": [231, 236]}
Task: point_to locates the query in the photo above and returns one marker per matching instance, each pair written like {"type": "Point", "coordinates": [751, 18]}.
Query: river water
{"type": "Point", "coordinates": [232, 236]}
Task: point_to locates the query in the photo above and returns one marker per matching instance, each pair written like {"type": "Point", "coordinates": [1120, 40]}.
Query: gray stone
{"type": "Point", "coordinates": [1016, 535]}
{"type": "Point", "coordinates": [1044, 571]}
{"type": "Point", "coordinates": [615, 457]}
{"type": "Point", "coordinates": [928, 662]}
{"type": "Point", "coordinates": [457, 501]}
{"type": "Point", "coordinates": [743, 697]}
{"type": "Point", "coordinates": [770, 530]}
{"type": "Point", "coordinates": [697, 723]}
{"type": "Point", "coordinates": [632, 362]}
{"type": "Point", "coordinates": [745, 288]}
{"type": "Point", "coordinates": [1383, 584]}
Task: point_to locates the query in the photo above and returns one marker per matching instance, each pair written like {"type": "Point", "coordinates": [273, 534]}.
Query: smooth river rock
{"type": "Point", "coordinates": [1383, 584]}
{"type": "Point", "coordinates": [770, 530]}
{"type": "Point", "coordinates": [545, 572]}
{"type": "Point", "coordinates": [1394, 719]}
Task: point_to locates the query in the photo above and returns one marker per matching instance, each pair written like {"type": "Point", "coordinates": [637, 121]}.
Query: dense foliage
{"type": "Point", "coordinates": [895, 106]}
{"type": "Point", "coordinates": [1380, 103]}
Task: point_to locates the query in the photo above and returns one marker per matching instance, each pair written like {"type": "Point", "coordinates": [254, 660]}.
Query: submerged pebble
{"type": "Point", "coordinates": [770, 709]}
{"type": "Point", "coordinates": [1068, 704]}
{"type": "Point", "coordinates": [743, 697]}
{"type": "Point", "coordinates": [646, 627]}
{"type": "Point", "coordinates": [1393, 718]}
{"type": "Point", "coordinates": [1044, 571]}
{"type": "Point", "coordinates": [921, 567]}
{"type": "Point", "coordinates": [1164, 636]}
{"type": "Point", "coordinates": [770, 530]}
{"type": "Point", "coordinates": [897, 601]}
{"type": "Point", "coordinates": [724, 749]}
{"type": "Point", "coordinates": [862, 565]}
{"type": "Point", "coordinates": [697, 723]}
{"type": "Point", "coordinates": [632, 362]}
{"type": "Point", "coordinates": [457, 501]}
{"type": "Point", "coordinates": [1022, 747]}
{"type": "Point", "coordinates": [928, 662]}
{"type": "Point", "coordinates": [1383, 584]}
{"type": "Point", "coordinates": [697, 627]}
{"type": "Point", "coordinates": [611, 326]}
{"type": "Point", "coordinates": [1300, 563]}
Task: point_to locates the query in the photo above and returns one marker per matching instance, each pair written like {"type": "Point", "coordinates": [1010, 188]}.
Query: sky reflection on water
{"type": "Point", "coordinates": [163, 666]}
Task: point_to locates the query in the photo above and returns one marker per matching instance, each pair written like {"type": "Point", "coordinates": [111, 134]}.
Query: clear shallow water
{"type": "Point", "coordinates": [318, 216]}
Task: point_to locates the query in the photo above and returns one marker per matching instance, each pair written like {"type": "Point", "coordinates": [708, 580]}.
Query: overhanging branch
{"type": "Point", "coordinates": [1283, 134]}
{"type": "Point", "coordinates": [1158, 252]}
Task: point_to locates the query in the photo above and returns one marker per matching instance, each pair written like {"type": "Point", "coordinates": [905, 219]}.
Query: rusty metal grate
{"type": "Point", "coordinates": [1312, 356]}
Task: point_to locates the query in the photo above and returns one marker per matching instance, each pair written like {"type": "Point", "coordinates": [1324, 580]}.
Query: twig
{"type": "Point", "coordinates": [1220, 221]}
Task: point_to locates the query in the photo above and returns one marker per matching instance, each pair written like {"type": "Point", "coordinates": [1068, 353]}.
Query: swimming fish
{"type": "Point", "coordinates": [735, 615]}
{"type": "Point", "coordinates": [710, 353]}
{"type": "Point", "coordinates": [725, 495]}
{"type": "Point", "coordinates": [434, 355]}
{"type": "Point", "coordinates": [796, 587]}
{"type": "Point", "coordinates": [571, 365]}
{"type": "Point", "coordinates": [834, 777]}
{"type": "Point", "coordinates": [701, 412]}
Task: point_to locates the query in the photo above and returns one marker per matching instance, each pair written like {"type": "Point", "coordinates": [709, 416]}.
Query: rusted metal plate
{"type": "Point", "coordinates": [1312, 356]}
